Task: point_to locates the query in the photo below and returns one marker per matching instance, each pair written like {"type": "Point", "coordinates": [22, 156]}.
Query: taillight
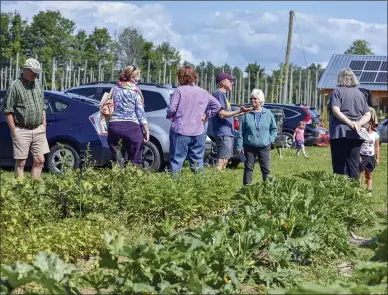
{"type": "Point", "coordinates": [100, 126]}
{"type": "Point", "coordinates": [236, 124]}
{"type": "Point", "coordinates": [308, 118]}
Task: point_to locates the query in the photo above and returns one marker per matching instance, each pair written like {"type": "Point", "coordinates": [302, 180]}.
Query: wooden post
{"type": "Point", "coordinates": [258, 80]}
{"type": "Point", "coordinates": [231, 92]}
{"type": "Point", "coordinates": [17, 66]}
{"type": "Point", "coordinates": [291, 86]}
{"type": "Point", "coordinates": [169, 80]}
{"type": "Point", "coordinates": [148, 71]}
{"type": "Point", "coordinates": [10, 70]}
{"type": "Point", "coordinates": [65, 73]}
{"type": "Point", "coordinates": [316, 87]}
{"type": "Point", "coordinates": [160, 76]}
{"type": "Point", "coordinates": [201, 78]}
{"type": "Point", "coordinates": [308, 88]}
{"type": "Point", "coordinates": [6, 78]}
{"type": "Point", "coordinates": [70, 68]}
{"type": "Point", "coordinates": [99, 71]}
{"type": "Point", "coordinates": [85, 70]}
{"type": "Point", "coordinates": [79, 76]}
{"type": "Point", "coordinates": [212, 85]}
{"type": "Point", "coordinates": [273, 85]}
{"type": "Point", "coordinates": [300, 86]}
{"type": "Point", "coordinates": [53, 75]}
{"type": "Point", "coordinates": [242, 88]}
{"type": "Point", "coordinates": [249, 83]}
{"type": "Point", "coordinates": [288, 51]}
{"type": "Point", "coordinates": [265, 85]}
{"type": "Point", "coordinates": [206, 81]}
{"type": "Point", "coordinates": [164, 70]}
{"type": "Point", "coordinates": [62, 81]}
{"type": "Point", "coordinates": [1, 79]}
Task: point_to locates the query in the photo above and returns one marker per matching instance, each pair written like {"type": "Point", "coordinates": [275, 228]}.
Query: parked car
{"type": "Point", "coordinates": [156, 100]}
{"type": "Point", "coordinates": [69, 132]}
{"type": "Point", "coordinates": [382, 129]}
{"type": "Point", "coordinates": [293, 114]}
{"type": "Point", "coordinates": [235, 160]}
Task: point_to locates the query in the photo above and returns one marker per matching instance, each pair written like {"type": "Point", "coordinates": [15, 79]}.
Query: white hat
{"type": "Point", "coordinates": [33, 65]}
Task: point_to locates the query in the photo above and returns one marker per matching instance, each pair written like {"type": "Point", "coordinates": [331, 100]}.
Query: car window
{"type": "Point", "coordinates": [58, 106]}
{"type": "Point", "coordinates": [88, 92]}
{"type": "Point", "coordinates": [288, 114]}
{"type": "Point", "coordinates": [47, 103]}
{"type": "Point", "coordinates": [153, 101]}
{"type": "Point", "coordinates": [105, 89]}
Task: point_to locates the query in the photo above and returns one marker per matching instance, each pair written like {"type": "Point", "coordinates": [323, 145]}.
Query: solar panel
{"type": "Point", "coordinates": [357, 65]}
{"type": "Point", "coordinates": [382, 78]}
{"type": "Point", "coordinates": [368, 77]}
{"type": "Point", "coordinates": [357, 73]}
{"type": "Point", "coordinates": [383, 66]}
{"type": "Point", "coordinates": [372, 65]}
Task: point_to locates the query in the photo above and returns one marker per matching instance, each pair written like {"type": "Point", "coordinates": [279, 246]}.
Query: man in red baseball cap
{"type": "Point", "coordinates": [223, 127]}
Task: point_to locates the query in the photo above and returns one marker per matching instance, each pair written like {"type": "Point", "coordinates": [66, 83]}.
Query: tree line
{"type": "Point", "coordinates": [71, 56]}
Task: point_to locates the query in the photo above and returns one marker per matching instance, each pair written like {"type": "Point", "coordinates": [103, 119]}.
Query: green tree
{"type": "Point", "coordinates": [49, 35]}
{"type": "Point", "coordinates": [129, 46]}
{"type": "Point", "coordinates": [360, 47]}
{"type": "Point", "coordinates": [12, 29]}
{"type": "Point", "coordinates": [99, 48]}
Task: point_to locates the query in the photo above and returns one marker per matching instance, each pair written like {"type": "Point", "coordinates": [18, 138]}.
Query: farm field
{"type": "Point", "coordinates": [125, 230]}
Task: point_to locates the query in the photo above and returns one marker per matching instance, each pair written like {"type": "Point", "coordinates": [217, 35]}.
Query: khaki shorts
{"type": "Point", "coordinates": [25, 140]}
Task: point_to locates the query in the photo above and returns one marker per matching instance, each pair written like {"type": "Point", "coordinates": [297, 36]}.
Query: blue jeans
{"type": "Point", "coordinates": [182, 146]}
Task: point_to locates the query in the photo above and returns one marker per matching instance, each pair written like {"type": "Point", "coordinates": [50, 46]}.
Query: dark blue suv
{"type": "Point", "coordinates": [293, 114]}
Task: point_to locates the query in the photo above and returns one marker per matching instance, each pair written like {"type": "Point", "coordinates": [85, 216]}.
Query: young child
{"type": "Point", "coordinates": [299, 139]}
{"type": "Point", "coordinates": [370, 155]}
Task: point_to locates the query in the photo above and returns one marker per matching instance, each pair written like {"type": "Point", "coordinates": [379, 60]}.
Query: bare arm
{"type": "Point", "coordinates": [44, 119]}
{"type": "Point", "coordinates": [364, 119]}
{"type": "Point", "coordinates": [377, 151]}
{"type": "Point", "coordinates": [223, 114]}
{"type": "Point", "coordinates": [340, 116]}
{"type": "Point", "coordinates": [10, 121]}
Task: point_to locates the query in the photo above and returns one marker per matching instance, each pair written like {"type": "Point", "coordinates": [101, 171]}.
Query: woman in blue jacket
{"type": "Point", "coordinates": [258, 130]}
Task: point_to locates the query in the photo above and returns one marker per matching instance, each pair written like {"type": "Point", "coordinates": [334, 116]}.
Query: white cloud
{"type": "Point", "coordinates": [233, 37]}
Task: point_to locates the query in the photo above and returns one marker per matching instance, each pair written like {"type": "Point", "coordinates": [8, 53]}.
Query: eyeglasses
{"type": "Point", "coordinates": [253, 98]}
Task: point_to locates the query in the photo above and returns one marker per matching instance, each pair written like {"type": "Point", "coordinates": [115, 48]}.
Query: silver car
{"type": "Point", "coordinates": [156, 100]}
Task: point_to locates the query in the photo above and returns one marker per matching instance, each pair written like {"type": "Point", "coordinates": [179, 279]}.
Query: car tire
{"type": "Point", "coordinates": [288, 140]}
{"type": "Point", "coordinates": [58, 156]}
{"type": "Point", "coordinates": [152, 158]}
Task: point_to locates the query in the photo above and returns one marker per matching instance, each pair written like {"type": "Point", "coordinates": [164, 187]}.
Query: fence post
{"type": "Point", "coordinates": [17, 65]}
{"type": "Point", "coordinates": [148, 71]}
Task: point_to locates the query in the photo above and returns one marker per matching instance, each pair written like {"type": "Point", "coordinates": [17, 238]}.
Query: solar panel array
{"type": "Point", "coordinates": [371, 71]}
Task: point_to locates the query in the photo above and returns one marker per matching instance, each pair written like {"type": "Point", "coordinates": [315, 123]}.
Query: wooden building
{"type": "Point", "coordinates": [371, 70]}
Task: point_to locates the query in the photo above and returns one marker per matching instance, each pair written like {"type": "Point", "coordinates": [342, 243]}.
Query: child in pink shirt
{"type": "Point", "coordinates": [299, 139]}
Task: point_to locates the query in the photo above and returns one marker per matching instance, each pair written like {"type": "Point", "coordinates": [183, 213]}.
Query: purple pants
{"type": "Point", "coordinates": [125, 136]}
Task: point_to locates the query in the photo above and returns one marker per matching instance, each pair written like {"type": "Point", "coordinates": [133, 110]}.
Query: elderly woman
{"type": "Point", "coordinates": [128, 127]}
{"type": "Point", "coordinates": [189, 107]}
{"type": "Point", "coordinates": [349, 112]}
{"type": "Point", "coordinates": [258, 130]}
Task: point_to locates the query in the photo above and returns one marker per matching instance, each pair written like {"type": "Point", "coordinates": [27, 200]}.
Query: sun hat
{"type": "Point", "coordinates": [33, 65]}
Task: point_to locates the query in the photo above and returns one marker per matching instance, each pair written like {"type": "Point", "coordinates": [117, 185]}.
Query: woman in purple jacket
{"type": "Point", "coordinates": [189, 106]}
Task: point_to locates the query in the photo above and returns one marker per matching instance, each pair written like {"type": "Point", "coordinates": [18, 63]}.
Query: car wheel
{"type": "Point", "coordinates": [288, 139]}
{"type": "Point", "coordinates": [151, 156]}
{"type": "Point", "coordinates": [62, 156]}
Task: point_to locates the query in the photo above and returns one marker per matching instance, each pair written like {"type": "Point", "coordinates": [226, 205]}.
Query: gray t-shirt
{"type": "Point", "coordinates": [352, 104]}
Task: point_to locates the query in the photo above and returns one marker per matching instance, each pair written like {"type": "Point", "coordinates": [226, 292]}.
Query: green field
{"type": "Point", "coordinates": [197, 234]}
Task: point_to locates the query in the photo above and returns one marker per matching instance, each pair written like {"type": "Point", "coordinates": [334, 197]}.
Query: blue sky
{"type": "Point", "coordinates": [233, 32]}
{"type": "Point", "coordinates": [368, 11]}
